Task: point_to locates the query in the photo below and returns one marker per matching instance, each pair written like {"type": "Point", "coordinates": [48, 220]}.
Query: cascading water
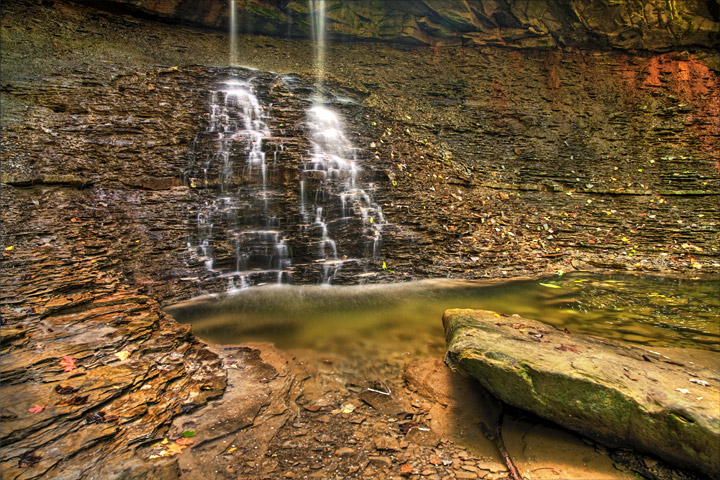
{"type": "Point", "coordinates": [249, 230]}
{"type": "Point", "coordinates": [333, 161]}
{"type": "Point", "coordinates": [257, 225]}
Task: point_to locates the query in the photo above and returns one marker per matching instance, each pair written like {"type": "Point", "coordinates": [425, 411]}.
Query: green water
{"type": "Point", "coordinates": [400, 320]}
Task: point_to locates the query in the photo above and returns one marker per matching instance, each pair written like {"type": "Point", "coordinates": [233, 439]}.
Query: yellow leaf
{"type": "Point", "coordinates": [174, 449]}
{"type": "Point", "coordinates": [123, 355]}
{"type": "Point", "coordinates": [231, 449]}
{"type": "Point", "coordinates": [7, 249]}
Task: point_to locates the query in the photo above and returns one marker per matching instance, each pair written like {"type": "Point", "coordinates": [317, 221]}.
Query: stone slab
{"type": "Point", "coordinates": [616, 394]}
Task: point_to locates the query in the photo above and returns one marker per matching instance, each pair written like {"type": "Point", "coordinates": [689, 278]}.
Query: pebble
{"type": "Point", "coordinates": [381, 461]}
{"type": "Point", "coordinates": [491, 466]}
{"type": "Point", "coordinates": [344, 452]}
{"type": "Point", "coordinates": [460, 474]}
{"type": "Point", "coordinates": [387, 444]}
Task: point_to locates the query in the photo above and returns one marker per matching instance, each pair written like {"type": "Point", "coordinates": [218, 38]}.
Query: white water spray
{"type": "Point", "coordinates": [333, 159]}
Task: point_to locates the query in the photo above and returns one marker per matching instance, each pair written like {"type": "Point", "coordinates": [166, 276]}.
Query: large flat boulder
{"type": "Point", "coordinates": [616, 394]}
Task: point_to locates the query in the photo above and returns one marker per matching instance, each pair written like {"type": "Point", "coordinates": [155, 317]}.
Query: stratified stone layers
{"type": "Point", "coordinates": [649, 25]}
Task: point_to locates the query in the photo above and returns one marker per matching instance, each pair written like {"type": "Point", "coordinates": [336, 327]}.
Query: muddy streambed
{"type": "Point", "coordinates": [368, 337]}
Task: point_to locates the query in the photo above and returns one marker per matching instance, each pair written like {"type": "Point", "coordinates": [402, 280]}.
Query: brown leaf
{"type": "Point", "coordinates": [98, 417]}
{"type": "Point", "coordinates": [184, 442]}
{"type": "Point", "coordinates": [65, 390]}
{"type": "Point", "coordinates": [28, 459]}
{"type": "Point", "coordinates": [405, 427]}
{"type": "Point", "coordinates": [76, 400]}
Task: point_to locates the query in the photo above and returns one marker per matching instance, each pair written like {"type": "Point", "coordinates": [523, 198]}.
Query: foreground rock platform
{"type": "Point", "coordinates": [612, 393]}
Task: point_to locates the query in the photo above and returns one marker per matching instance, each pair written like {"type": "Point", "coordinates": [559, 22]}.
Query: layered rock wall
{"type": "Point", "coordinates": [648, 25]}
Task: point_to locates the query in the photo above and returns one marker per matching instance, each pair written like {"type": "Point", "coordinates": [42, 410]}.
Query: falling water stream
{"type": "Point", "coordinates": [233, 33]}
{"type": "Point", "coordinates": [244, 233]}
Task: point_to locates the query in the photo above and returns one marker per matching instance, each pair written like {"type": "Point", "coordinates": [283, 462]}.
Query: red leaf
{"type": "Point", "coordinates": [36, 408]}
{"type": "Point", "coordinates": [185, 441]}
{"type": "Point", "coordinates": [68, 363]}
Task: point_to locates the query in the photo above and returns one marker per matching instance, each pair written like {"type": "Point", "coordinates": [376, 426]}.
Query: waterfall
{"type": "Point", "coordinates": [333, 160]}
{"type": "Point", "coordinates": [303, 215]}
{"type": "Point", "coordinates": [233, 33]}
{"type": "Point", "coordinates": [317, 24]}
{"type": "Point", "coordinates": [248, 229]}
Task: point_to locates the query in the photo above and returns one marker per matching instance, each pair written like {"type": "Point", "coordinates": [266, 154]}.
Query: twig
{"type": "Point", "coordinates": [501, 446]}
{"type": "Point", "coordinates": [497, 438]}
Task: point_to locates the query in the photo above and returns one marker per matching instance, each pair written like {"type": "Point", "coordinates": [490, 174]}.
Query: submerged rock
{"type": "Point", "coordinates": [616, 394]}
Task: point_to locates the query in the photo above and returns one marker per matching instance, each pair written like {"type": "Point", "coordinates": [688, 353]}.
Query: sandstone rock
{"type": "Point", "coordinates": [613, 393]}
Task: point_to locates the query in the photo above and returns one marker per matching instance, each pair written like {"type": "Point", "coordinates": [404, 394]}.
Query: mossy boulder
{"type": "Point", "coordinates": [615, 394]}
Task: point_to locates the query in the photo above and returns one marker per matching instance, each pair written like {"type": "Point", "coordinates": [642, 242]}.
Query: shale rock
{"type": "Point", "coordinates": [613, 393]}
{"type": "Point", "coordinates": [649, 25]}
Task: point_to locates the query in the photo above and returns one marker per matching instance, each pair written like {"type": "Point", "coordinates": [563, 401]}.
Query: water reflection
{"type": "Point", "coordinates": [405, 318]}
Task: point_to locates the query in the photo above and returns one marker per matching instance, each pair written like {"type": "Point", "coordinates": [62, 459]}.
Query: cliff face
{"type": "Point", "coordinates": [647, 25]}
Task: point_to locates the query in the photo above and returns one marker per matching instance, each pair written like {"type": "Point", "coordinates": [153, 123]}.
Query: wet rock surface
{"type": "Point", "coordinates": [649, 25]}
{"type": "Point", "coordinates": [90, 368]}
{"type": "Point", "coordinates": [607, 391]}
{"type": "Point", "coordinates": [487, 163]}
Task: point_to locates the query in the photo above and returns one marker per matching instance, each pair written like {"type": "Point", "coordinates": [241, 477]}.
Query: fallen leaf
{"type": "Point", "coordinates": [550, 285]}
{"type": "Point", "coordinates": [123, 355]}
{"type": "Point", "coordinates": [67, 390]}
{"type": "Point", "coordinates": [174, 449]}
{"type": "Point", "coordinates": [68, 363]}
{"type": "Point", "coordinates": [405, 427]}
{"type": "Point", "coordinates": [28, 459]}
{"type": "Point", "coordinates": [76, 400]}
{"type": "Point", "coordinates": [188, 433]}
{"type": "Point", "coordinates": [36, 408]}
{"type": "Point", "coordinates": [98, 417]}
{"type": "Point", "coordinates": [9, 249]}
{"type": "Point", "coordinates": [185, 441]}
